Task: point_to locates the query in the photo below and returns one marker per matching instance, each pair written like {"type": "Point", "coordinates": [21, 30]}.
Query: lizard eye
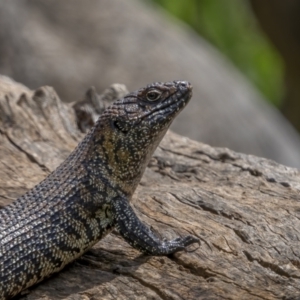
{"type": "Point", "coordinates": [153, 95]}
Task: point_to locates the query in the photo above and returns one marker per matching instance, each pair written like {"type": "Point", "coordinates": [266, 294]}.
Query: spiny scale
{"type": "Point", "coordinates": [89, 193]}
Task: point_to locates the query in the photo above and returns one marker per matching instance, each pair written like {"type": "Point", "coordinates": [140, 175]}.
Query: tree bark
{"type": "Point", "coordinates": [244, 209]}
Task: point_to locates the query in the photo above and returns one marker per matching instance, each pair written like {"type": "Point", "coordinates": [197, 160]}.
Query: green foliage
{"type": "Point", "coordinates": [231, 26]}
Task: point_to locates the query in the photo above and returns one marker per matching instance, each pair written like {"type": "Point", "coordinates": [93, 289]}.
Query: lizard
{"type": "Point", "coordinates": [89, 194]}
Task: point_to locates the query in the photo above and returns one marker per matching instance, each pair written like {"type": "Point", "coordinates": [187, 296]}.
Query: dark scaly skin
{"type": "Point", "coordinates": [89, 193]}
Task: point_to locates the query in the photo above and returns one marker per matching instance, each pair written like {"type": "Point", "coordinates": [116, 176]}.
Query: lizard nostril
{"type": "Point", "coordinates": [184, 85]}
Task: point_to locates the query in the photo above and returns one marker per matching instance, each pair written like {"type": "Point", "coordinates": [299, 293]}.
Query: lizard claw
{"type": "Point", "coordinates": [180, 244]}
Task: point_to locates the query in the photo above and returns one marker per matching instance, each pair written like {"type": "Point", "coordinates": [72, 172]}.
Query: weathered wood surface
{"type": "Point", "coordinates": [245, 209]}
{"type": "Point", "coordinates": [71, 45]}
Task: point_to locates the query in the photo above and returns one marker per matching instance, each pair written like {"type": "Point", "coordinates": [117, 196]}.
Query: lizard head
{"type": "Point", "coordinates": [131, 129]}
{"type": "Point", "coordinates": [148, 112]}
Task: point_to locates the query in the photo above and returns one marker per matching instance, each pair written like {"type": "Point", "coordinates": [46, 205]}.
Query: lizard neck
{"type": "Point", "coordinates": [107, 159]}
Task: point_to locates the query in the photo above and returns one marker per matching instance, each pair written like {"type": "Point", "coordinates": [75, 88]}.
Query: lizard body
{"type": "Point", "coordinates": [89, 193]}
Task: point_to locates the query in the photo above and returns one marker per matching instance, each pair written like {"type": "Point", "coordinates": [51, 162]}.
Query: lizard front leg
{"type": "Point", "coordinates": [140, 236]}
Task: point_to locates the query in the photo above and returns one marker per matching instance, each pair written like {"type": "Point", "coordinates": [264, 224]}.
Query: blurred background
{"type": "Point", "coordinates": [240, 55]}
{"type": "Point", "coordinates": [232, 27]}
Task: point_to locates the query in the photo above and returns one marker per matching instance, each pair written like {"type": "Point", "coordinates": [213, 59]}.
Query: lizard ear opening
{"type": "Point", "coordinates": [122, 126]}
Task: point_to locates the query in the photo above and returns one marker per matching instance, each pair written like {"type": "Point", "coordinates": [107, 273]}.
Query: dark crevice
{"type": "Point", "coordinates": [276, 233]}
{"type": "Point", "coordinates": [242, 235]}
{"type": "Point", "coordinates": [253, 172]}
{"type": "Point", "coordinates": [208, 207]}
{"type": "Point", "coordinates": [295, 263]}
{"type": "Point", "coordinates": [203, 272]}
{"type": "Point", "coordinates": [221, 157]}
{"type": "Point", "coordinates": [250, 292]}
{"type": "Point", "coordinates": [285, 184]}
{"type": "Point", "coordinates": [275, 268]}
{"type": "Point", "coordinates": [273, 180]}
{"type": "Point", "coordinates": [28, 155]}
{"type": "Point", "coordinates": [156, 290]}
{"type": "Point", "coordinates": [190, 268]}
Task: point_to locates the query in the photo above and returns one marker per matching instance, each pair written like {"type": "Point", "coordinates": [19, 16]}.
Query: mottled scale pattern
{"type": "Point", "coordinates": [89, 193]}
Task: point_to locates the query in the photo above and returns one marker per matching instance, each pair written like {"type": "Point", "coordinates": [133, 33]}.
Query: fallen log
{"type": "Point", "coordinates": [244, 209]}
